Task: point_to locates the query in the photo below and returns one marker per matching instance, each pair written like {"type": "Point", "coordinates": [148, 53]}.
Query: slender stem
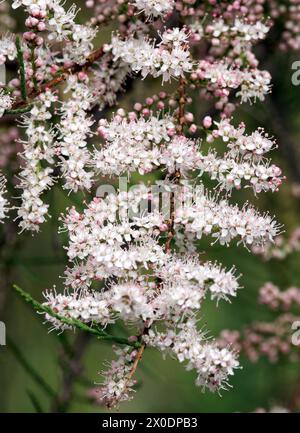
{"type": "Point", "coordinates": [135, 364]}
{"type": "Point", "coordinates": [176, 175]}
{"type": "Point", "coordinates": [62, 76]}
{"type": "Point", "coordinates": [72, 370]}
{"type": "Point", "coordinates": [74, 322]}
{"type": "Point", "coordinates": [29, 369]}
{"type": "Point", "coordinates": [19, 110]}
{"type": "Point", "coordinates": [21, 69]}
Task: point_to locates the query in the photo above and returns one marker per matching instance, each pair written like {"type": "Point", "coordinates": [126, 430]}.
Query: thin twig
{"type": "Point", "coordinates": [62, 76]}
{"type": "Point", "coordinates": [75, 323]}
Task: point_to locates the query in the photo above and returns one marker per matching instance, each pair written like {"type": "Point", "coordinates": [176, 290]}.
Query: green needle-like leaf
{"type": "Point", "coordinates": [99, 333]}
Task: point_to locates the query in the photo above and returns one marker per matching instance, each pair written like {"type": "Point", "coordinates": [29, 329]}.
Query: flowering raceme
{"type": "Point", "coordinates": [132, 255]}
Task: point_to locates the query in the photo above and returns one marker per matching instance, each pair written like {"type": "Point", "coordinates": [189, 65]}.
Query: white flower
{"type": "Point", "coordinates": [7, 48]}
{"type": "Point", "coordinates": [130, 302]}
{"type": "Point", "coordinates": [5, 102]}
{"type": "Point", "coordinates": [154, 8]}
{"type": "Point", "coordinates": [3, 200]}
{"type": "Point", "coordinates": [255, 85]}
{"type": "Point", "coordinates": [250, 32]}
{"type": "Point", "coordinates": [226, 222]}
{"type": "Point", "coordinates": [170, 60]}
{"type": "Point", "coordinates": [131, 145]}
{"type": "Point", "coordinates": [212, 364]}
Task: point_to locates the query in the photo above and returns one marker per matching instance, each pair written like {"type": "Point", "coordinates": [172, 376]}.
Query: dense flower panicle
{"type": "Point", "coordinates": [74, 129]}
{"type": "Point", "coordinates": [154, 8]}
{"type": "Point", "coordinates": [108, 80]}
{"type": "Point", "coordinates": [117, 385]}
{"type": "Point", "coordinates": [213, 365]}
{"type": "Point", "coordinates": [188, 271]}
{"type": "Point", "coordinates": [247, 85]}
{"type": "Point", "coordinates": [226, 222]}
{"type": "Point", "coordinates": [138, 299]}
{"type": "Point", "coordinates": [5, 102]}
{"type": "Point", "coordinates": [146, 144]}
{"type": "Point", "coordinates": [221, 77]}
{"type": "Point", "coordinates": [170, 59]}
{"type": "Point", "coordinates": [246, 32]}
{"type": "Point", "coordinates": [3, 199]}
{"type": "Point", "coordinates": [86, 307]}
{"type": "Point", "coordinates": [180, 154]}
{"type": "Point", "coordinates": [34, 178]}
{"type": "Point", "coordinates": [255, 145]}
{"type": "Point", "coordinates": [231, 173]}
{"type": "Point", "coordinates": [8, 49]}
{"type": "Point", "coordinates": [184, 281]}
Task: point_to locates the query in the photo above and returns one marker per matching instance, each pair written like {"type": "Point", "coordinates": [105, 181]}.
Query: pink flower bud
{"type": "Point", "coordinates": [207, 122]}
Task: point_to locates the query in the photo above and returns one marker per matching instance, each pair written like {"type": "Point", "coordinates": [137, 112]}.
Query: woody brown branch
{"type": "Point", "coordinates": [64, 73]}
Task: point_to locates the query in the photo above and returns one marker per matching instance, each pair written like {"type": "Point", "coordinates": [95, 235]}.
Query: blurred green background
{"type": "Point", "coordinates": [165, 386]}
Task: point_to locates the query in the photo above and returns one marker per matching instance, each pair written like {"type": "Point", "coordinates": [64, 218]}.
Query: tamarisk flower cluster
{"type": "Point", "coordinates": [116, 241]}
{"type": "Point", "coordinates": [226, 222]}
{"type": "Point", "coordinates": [144, 144]}
{"type": "Point", "coordinates": [221, 78]}
{"type": "Point", "coordinates": [50, 15]}
{"type": "Point", "coordinates": [271, 339]}
{"type": "Point", "coordinates": [131, 145]}
{"type": "Point", "coordinates": [5, 102]}
{"type": "Point", "coordinates": [3, 199]}
{"type": "Point", "coordinates": [74, 129]}
{"type": "Point", "coordinates": [132, 259]}
{"type": "Point", "coordinates": [98, 240]}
